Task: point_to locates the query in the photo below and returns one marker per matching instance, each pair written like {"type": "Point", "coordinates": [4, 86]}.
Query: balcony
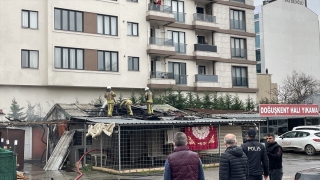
{"type": "Point", "coordinates": [205, 50]}
{"type": "Point", "coordinates": [238, 24]}
{"type": "Point", "coordinates": [206, 78]}
{"type": "Point", "coordinates": [239, 1]}
{"type": "Point", "coordinates": [238, 53]}
{"type": "Point", "coordinates": [203, 82]}
{"type": "Point", "coordinates": [204, 22]}
{"type": "Point", "coordinates": [179, 17]}
{"type": "Point", "coordinates": [158, 77]}
{"type": "Point", "coordinates": [161, 46]}
{"type": "Point", "coordinates": [160, 14]}
{"type": "Point", "coordinates": [180, 48]}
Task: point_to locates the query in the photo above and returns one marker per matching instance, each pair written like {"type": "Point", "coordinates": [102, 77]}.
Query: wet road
{"type": "Point", "coordinates": [292, 162]}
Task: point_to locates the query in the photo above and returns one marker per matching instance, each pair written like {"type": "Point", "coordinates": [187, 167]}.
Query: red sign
{"type": "Point", "coordinates": [289, 110]}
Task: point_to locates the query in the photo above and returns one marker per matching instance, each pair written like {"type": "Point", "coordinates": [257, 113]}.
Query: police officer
{"type": "Point", "coordinates": [257, 157]}
{"type": "Point", "coordinates": [127, 103]}
{"type": "Point", "coordinates": [148, 97]}
{"type": "Point", "coordinates": [109, 95]}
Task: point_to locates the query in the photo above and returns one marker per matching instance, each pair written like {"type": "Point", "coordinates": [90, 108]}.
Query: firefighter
{"type": "Point", "coordinates": [127, 103]}
{"type": "Point", "coordinates": [148, 97]}
{"type": "Point", "coordinates": [109, 95]}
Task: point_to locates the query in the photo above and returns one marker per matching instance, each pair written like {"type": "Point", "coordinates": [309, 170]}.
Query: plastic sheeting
{"type": "Point", "coordinates": [97, 129]}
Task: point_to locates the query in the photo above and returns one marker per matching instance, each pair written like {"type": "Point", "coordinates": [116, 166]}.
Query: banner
{"type": "Point", "coordinates": [288, 110]}
{"type": "Point", "coordinates": [202, 137]}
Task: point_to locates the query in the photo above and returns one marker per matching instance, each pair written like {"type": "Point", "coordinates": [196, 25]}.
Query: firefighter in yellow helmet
{"type": "Point", "coordinates": [109, 95]}
{"type": "Point", "coordinates": [127, 104]}
{"type": "Point", "coordinates": [148, 97]}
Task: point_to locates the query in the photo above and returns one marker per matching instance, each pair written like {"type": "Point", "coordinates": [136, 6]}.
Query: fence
{"type": "Point", "coordinates": [7, 165]}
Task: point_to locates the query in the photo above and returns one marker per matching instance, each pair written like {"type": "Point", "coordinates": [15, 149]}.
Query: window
{"type": "Point", "coordinates": [258, 56]}
{"type": "Point", "coordinates": [108, 61]}
{"type": "Point", "coordinates": [30, 19]}
{"type": "Point", "coordinates": [178, 39]}
{"type": "Point", "coordinates": [256, 16]}
{"type": "Point", "coordinates": [257, 41]}
{"type": "Point", "coordinates": [290, 134]}
{"type": "Point", "coordinates": [238, 48]}
{"type": "Point", "coordinates": [107, 25]}
{"type": "Point", "coordinates": [133, 0]}
{"type": "Point", "coordinates": [133, 29]}
{"type": "Point", "coordinates": [202, 70]}
{"type": "Point", "coordinates": [68, 58]}
{"type": "Point", "coordinates": [68, 20]}
{"type": "Point", "coordinates": [177, 10]}
{"type": "Point", "coordinates": [178, 72]}
{"type": "Point", "coordinates": [133, 63]}
{"type": "Point", "coordinates": [237, 20]}
{"type": "Point", "coordinates": [29, 59]}
{"type": "Point", "coordinates": [258, 68]}
{"type": "Point", "coordinates": [239, 76]}
{"type": "Point", "coordinates": [256, 27]}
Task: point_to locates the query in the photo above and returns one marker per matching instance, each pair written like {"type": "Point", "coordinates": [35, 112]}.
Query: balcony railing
{"type": "Point", "coordinates": [161, 8]}
{"type": "Point", "coordinates": [240, 81]}
{"type": "Point", "coordinates": [205, 47]}
{"type": "Point", "coordinates": [237, 24]}
{"type": "Point", "coordinates": [238, 53]}
{"type": "Point", "coordinates": [204, 17]}
{"type": "Point", "coordinates": [206, 78]}
{"type": "Point", "coordinates": [132, 0]}
{"type": "Point", "coordinates": [240, 1]}
{"type": "Point", "coordinates": [179, 16]}
{"type": "Point", "coordinates": [180, 48]}
{"type": "Point", "coordinates": [179, 78]}
{"type": "Point", "coordinates": [160, 41]}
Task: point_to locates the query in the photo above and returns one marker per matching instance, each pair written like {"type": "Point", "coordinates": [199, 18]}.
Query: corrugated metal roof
{"type": "Point", "coordinates": [60, 151]}
{"type": "Point", "coordinates": [131, 121]}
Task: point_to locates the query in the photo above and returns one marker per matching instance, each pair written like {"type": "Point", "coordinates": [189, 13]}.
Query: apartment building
{"type": "Point", "coordinates": [66, 50]}
{"type": "Point", "coordinates": [287, 39]}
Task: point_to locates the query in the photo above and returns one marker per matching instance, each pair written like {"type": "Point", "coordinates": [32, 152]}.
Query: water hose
{"type": "Point", "coordinates": [80, 173]}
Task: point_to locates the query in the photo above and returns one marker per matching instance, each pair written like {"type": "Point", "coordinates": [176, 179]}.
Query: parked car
{"type": "Point", "coordinates": [315, 128]}
{"type": "Point", "coordinates": [300, 140]}
{"type": "Point", "coordinates": [308, 174]}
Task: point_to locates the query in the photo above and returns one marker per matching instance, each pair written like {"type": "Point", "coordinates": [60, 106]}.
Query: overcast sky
{"type": "Point", "coordinates": [314, 5]}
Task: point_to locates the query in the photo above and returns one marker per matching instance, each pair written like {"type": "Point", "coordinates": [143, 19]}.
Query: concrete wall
{"type": "Point", "coordinates": [265, 86]}
{"type": "Point", "coordinates": [289, 40]}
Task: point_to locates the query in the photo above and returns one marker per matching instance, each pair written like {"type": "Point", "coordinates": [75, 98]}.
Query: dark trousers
{"type": "Point", "coordinates": [275, 174]}
{"type": "Point", "coordinates": [255, 177]}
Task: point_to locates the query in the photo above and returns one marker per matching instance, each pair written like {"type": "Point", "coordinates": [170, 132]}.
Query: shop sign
{"type": "Point", "coordinates": [288, 110]}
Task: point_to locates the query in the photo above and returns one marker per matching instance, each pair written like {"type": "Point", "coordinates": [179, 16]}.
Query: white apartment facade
{"type": "Point", "coordinates": [287, 39]}
{"type": "Point", "coordinates": [54, 51]}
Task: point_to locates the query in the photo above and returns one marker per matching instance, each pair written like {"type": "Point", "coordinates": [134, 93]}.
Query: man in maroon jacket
{"type": "Point", "coordinates": [183, 164]}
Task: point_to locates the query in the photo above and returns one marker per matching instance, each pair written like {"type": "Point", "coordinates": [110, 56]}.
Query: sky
{"type": "Point", "coordinates": [314, 5]}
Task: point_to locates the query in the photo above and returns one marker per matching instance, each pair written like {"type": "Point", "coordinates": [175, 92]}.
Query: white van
{"type": "Point", "coordinates": [314, 128]}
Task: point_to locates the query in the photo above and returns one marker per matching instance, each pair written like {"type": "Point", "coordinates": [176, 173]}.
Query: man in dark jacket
{"type": "Point", "coordinates": [257, 157]}
{"type": "Point", "coordinates": [234, 162]}
{"type": "Point", "coordinates": [183, 164]}
{"type": "Point", "coordinates": [274, 152]}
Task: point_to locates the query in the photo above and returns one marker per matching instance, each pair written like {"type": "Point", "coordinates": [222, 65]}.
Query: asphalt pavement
{"type": "Point", "coordinates": [292, 162]}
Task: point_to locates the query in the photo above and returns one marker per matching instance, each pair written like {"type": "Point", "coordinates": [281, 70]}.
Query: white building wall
{"type": "Point", "coordinates": [290, 40]}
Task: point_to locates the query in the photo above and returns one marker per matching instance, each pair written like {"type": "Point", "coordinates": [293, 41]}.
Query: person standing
{"type": "Point", "coordinates": [127, 103]}
{"type": "Point", "coordinates": [183, 164]}
{"type": "Point", "coordinates": [109, 95]}
{"type": "Point", "coordinates": [257, 157]}
{"type": "Point", "coordinates": [148, 97]}
{"type": "Point", "coordinates": [274, 152]}
{"type": "Point", "coordinates": [233, 162]}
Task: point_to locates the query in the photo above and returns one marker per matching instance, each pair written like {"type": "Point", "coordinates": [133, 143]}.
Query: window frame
{"type": "Point", "coordinates": [29, 19]}
{"type": "Point", "coordinates": [103, 25]}
{"type": "Point", "coordinates": [204, 69]}
{"type": "Point", "coordinates": [243, 19]}
{"type": "Point", "coordinates": [131, 31]}
{"type": "Point", "coordinates": [241, 76]}
{"type": "Point", "coordinates": [104, 60]}
{"type": "Point", "coordinates": [133, 68]}
{"type": "Point", "coordinates": [233, 42]}
{"type": "Point", "coordinates": [179, 41]}
{"type": "Point", "coordinates": [68, 20]}
{"type": "Point", "coordinates": [28, 50]}
{"type": "Point", "coordinates": [76, 58]}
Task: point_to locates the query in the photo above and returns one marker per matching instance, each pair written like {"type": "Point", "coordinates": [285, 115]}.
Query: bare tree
{"type": "Point", "coordinates": [296, 88]}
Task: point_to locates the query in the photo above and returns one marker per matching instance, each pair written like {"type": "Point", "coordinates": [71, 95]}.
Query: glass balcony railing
{"type": "Point", "coordinates": [240, 1]}
{"type": "Point", "coordinates": [204, 17]}
{"type": "Point", "coordinates": [179, 78]}
{"type": "Point", "coordinates": [161, 8]}
{"type": "Point", "coordinates": [160, 41]}
{"type": "Point", "coordinates": [180, 48]}
{"type": "Point", "coordinates": [179, 16]}
{"type": "Point", "coordinates": [237, 24]}
{"type": "Point", "coordinates": [238, 53]}
{"type": "Point", "coordinates": [239, 81]}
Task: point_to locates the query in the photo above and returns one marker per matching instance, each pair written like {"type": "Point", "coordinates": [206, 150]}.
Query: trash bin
{"type": "Point", "coordinates": [8, 169]}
